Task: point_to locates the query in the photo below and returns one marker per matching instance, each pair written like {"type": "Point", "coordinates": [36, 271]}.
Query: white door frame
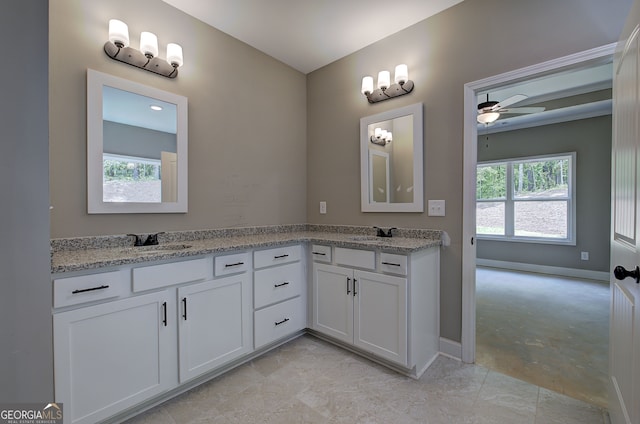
{"type": "Point", "coordinates": [468, 337]}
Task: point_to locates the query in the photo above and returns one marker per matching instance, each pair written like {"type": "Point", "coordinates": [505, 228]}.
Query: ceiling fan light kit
{"type": "Point", "coordinates": [488, 117]}
{"type": "Point", "coordinates": [489, 111]}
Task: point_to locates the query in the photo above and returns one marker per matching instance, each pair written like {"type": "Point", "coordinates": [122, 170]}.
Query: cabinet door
{"type": "Point", "coordinates": [380, 315]}
{"type": "Point", "coordinates": [111, 356]}
{"type": "Point", "coordinates": [333, 301]}
{"type": "Point", "coordinates": [215, 324]}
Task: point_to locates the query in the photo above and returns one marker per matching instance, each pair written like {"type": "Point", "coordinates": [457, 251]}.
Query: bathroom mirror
{"type": "Point", "coordinates": [136, 147]}
{"type": "Point", "coordinates": [391, 171]}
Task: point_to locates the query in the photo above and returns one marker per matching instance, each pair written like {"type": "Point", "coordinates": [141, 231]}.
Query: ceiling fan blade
{"type": "Point", "coordinates": [509, 101]}
{"type": "Point", "coordinates": [522, 110]}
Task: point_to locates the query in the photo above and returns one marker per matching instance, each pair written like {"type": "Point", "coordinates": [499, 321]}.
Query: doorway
{"type": "Point", "coordinates": [471, 91]}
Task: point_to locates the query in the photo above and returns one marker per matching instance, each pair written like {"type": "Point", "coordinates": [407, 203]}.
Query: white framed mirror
{"type": "Point", "coordinates": [391, 161]}
{"type": "Point", "coordinates": [136, 147]}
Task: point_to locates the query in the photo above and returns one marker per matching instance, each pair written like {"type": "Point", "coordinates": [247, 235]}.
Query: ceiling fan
{"type": "Point", "coordinates": [490, 111]}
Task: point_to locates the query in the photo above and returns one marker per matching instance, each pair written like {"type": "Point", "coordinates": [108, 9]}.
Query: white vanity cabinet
{"type": "Point", "coordinates": [394, 317]}
{"type": "Point", "coordinates": [111, 356]}
{"type": "Point", "coordinates": [214, 321]}
{"type": "Point", "coordinates": [279, 294]}
{"type": "Point", "coordinates": [362, 308]}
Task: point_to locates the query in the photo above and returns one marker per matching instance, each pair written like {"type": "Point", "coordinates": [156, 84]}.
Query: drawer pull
{"type": "Point", "coordinates": [319, 253]}
{"type": "Point", "coordinates": [281, 256]}
{"type": "Point", "coordinates": [102, 287]}
{"type": "Point", "coordinates": [164, 316]}
{"type": "Point", "coordinates": [282, 322]}
{"type": "Point", "coordinates": [390, 263]}
{"type": "Point", "coordinates": [286, 283]}
{"type": "Point", "coordinates": [235, 264]}
{"type": "Point", "coordinates": [184, 305]}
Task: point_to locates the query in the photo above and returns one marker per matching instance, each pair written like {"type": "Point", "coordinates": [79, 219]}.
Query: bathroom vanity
{"type": "Point", "coordinates": [134, 326]}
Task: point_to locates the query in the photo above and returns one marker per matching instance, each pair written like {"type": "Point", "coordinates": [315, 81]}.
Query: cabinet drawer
{"type": "Point", "coordinates": [396, 264]}
{"type": "Point", "coordinates": [231, 264]}
{"type": "Point", "coordinates": [278, 321]}
{"type": "Point", "coordinates": [88, 288]}
{"type": "Point", "coordinates": [276, 284]}
{"type": "Point", "coordinates": [321, 253]}
{"type": "Point", "coordinates": [276, 256]}
{"type": "Point", "coordinates": [157, 276]}
{"type": "Point", "coordinates": [356, 258]}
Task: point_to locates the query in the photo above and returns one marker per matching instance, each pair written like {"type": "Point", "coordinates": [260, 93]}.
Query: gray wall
{"type": "Point", "coordinates": [247, 121]}
{"type": "Point", "coordinates": [257, 140]}
{"type": "Point", "coordinates": [591, 140]}
{"type": "Point", "coordinates": [128, 140]}
{"type": "Point", "coordinates": [26, 359]}
{"type": "Point", "coordinates": [468, 42]}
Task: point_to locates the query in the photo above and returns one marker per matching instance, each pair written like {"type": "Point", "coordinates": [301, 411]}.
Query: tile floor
{"type": "Point", "coordinates": [310, 381]}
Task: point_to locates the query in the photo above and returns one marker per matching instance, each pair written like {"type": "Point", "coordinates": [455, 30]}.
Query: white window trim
{"type": "Point", "coordinates": [509, 202]}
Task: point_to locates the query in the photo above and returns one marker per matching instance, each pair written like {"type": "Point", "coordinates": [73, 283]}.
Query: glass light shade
{"type": "Point", "coordinates": [149, 44]}
{"type": "Point", "coordinates": [488, 117]}
{"type": "Point", "coordinates": [378, 132]}
{"type": "Point", "coordinates": [174, 54]}
{"type": "Point", "coordinates": [402, 74]}
{"type": "Point", "coordinates": [118, 32]}
{"type": "Point", "coordinates": [367, 85]}
{"type": "Point", "coordinates": [384, 79]}
{"type": "Point", "coordinates": [389, 137]}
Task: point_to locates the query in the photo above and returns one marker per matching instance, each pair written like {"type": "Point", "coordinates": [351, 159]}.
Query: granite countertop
{"type": "Point", "coordinates": [76, 254]}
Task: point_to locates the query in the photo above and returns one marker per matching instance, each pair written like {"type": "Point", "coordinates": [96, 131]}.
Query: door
{"type": "Point", "coordinates": [332, 301]}
{"type": "Point", "coordinates": [169, 176]}
{"type": "Point", "coordinates": [111, 356]}
{"type": "Point", "coordinates": [624, 337]}
{"type": "Point", "coordinates": [215, 324]}
{"type": "Point", "coordinates": [380, 315]}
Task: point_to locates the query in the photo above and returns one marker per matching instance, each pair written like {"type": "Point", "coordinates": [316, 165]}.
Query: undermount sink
{"type": "Point", "coordinates": [147, 250]}
{"type": "Point", "coordinates": [169, 247]}
{"type": "Point", "coordinates": [368, 238]}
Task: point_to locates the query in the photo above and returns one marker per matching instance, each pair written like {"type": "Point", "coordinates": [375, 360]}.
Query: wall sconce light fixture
{"type": "Point", "coordinates": [146, 58]}
{"type": "Point", "coordinates": [381, 137]}
{"type": "Point", "coordinates": [402, 85]}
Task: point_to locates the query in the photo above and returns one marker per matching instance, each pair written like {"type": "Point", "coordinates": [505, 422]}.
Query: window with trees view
{"type": "Point", "coordinates": [131, 179]}
{"type": "Point", "coordinates": [527, 199]}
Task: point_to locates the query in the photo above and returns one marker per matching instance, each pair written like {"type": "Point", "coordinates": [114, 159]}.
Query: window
{"type": "Point", "coordinates": [128, 179]}
{"type": "Point", "coordinates": [527, 199]}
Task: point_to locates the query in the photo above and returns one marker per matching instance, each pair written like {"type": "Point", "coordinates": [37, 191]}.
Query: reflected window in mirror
{"type": "Point", "coordinates": [136, 147]}
{"type": "Point", "coordinates": [391, 161]}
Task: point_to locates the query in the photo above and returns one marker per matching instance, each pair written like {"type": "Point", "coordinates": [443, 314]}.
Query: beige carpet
{"type": "Point", "coordinates": [549, 331]}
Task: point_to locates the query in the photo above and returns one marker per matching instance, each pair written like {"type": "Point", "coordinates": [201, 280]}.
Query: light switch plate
{"type": "Point", "coordinates": [436, 207]}
{"type": "Point", "coordinates": [323, 207]}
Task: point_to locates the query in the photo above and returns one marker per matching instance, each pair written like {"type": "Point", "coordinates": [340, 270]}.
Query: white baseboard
{"type": "Point", "coordinates": [543, 269]}
{"type": "Point", "coordinates": [450, 348]}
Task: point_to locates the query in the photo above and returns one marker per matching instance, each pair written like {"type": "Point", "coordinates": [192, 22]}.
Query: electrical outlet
{"type": "Point", "coordinates": [436, 207]}
{"type": "Point", "coordinates": [323, 207]}
{"type": "Point", "coordinates": [584, 256]}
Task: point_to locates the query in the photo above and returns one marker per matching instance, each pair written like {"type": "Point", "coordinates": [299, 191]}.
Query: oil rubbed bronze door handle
{"type": "Point", "coordinates": [621, 273]}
